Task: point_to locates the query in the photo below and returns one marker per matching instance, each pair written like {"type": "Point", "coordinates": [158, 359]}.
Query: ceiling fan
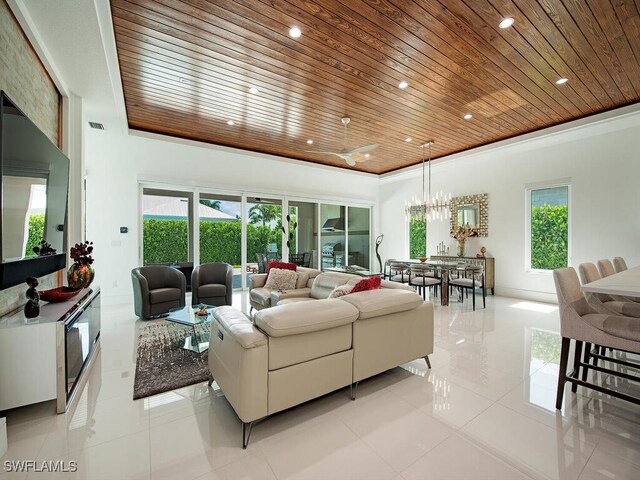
{"type": "Point", "coordinates": [347, 155]}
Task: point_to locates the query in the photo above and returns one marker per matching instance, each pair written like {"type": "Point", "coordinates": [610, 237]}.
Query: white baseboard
{"type": "Point", "coordinates": [545, 297]}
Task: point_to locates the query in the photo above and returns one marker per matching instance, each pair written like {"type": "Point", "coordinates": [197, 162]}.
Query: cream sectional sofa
{"type": "Point", "coordinates": [314, 285]}
{"type": "Point", "coordinates": [297, 351]}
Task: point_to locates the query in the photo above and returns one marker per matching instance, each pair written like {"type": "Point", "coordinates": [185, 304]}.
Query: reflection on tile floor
{"type": "Point", "coordinates": [485, 411]}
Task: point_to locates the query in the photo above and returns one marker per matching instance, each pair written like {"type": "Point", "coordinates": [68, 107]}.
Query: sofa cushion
{"type": "Point", "coordinates": [281, 279]}
{"type": "Point", "coordinates": [324, 283]}
{"type": "Point", "coordinates": [261, 296]}
{"type": "Point", "coordinates": [276, 296]}
{"type": "Point", "coordinates": [161, 295]}
{"type": "Point", "coordinates": [372, 283]}
{"type": "Point", "coordinates": [286, 301]}
{"type": "Point", "coordinates": [238, 324]}
{"type": "Point", "coordinates": [303, 279]}
{"type": "Point", "coordinates": [212, 290]}
{"type": "Point", "coordinates": [374, 303]}
{"type": "Point", "coordinates": [303, 317]}
{"type": "Point", "coordinates": [280, 265]}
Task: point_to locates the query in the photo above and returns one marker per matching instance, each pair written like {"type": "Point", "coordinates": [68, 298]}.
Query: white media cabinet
{"type": "Point", "coordinates": [47, 357]}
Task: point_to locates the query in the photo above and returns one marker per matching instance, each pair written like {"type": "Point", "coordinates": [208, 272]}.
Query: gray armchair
{"type": "Point", "coordinates": [212, 284]}
{"type": "Point", "coordinates": [156, 289]}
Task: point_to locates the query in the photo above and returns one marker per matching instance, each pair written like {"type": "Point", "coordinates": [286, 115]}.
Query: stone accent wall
{"type": "Point", "coordinates": [23, 77]}
{"type": "Point", "coordinates": [25, 80]}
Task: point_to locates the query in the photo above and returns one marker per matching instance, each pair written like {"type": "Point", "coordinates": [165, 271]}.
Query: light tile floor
{"type": "Point", "coordinates": [484, 411]}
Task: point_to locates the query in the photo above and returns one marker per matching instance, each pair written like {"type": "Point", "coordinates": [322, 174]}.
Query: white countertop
{"type": "Point", "coordinates": [626, 283]}
{"type": "Point", "coordinates": [49, 312]}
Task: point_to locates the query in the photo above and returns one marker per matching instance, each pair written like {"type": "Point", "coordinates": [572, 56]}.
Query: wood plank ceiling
{"type": "Point", "coordinates": [188, 66]}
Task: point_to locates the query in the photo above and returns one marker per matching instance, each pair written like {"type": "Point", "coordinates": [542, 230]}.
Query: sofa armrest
{"type": "Point", "coordinates": [140, 294]}
{"type": "Point", "coordinates": [234, 324]}
{"type": "Point", "coordinates": [276, 296]}
{"type": "Point", "coordinates": [238, 361]}
{"type": "Point", "coordinates": [257, 280]}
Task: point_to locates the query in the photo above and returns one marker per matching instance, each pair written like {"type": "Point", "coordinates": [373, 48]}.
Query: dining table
{"type": "Point", "coordinates": [444, 269]}
{"type": "Point", "coordinates": [624, 284]}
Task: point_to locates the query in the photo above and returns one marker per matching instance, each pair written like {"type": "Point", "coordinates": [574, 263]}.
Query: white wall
{"type": "Point", "coordinates": [115, 163]}
{"type": "Point", "coordinates": [603, 162]}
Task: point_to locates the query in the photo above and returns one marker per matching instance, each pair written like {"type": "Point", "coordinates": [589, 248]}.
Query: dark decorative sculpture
{"type": "Point", "coordinates": [292, 229]}
{"type": "Point", "coordinates": [32, 307]}
{"type": "Point", "coordinates": [378, 242]}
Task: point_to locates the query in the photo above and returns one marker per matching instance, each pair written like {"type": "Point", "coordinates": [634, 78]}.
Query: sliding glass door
{"type": "Point", "coordinates": [358, 233]}
{"type": "Point", "coordinates": [221, 232]}
{"type": "Point", "coordinates": [246, 231]}
{"type": "Point", "coordinates": [303, 233]}
{"type": "Point", "coordinates": [264, 231]}
{"type": "Point", "coordinates": [166, 234]}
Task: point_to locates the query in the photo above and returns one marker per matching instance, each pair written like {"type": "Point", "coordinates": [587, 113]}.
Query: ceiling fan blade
{"type": "Point", "coordinates": [366, 148]}
{"type": "Point", "coordinates": [350, 161]}
{"type": "Point", "coordinates": [328, 153]}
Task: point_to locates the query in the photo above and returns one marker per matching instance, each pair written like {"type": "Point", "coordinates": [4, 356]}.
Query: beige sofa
{"type": "Point", "coordinates": [318, 285]}
{"type": "Point", "coordinates": [298, 351]}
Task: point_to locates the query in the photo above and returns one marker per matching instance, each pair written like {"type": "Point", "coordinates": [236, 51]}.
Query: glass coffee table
{"type": "Point", "coordinates": [198, 341]}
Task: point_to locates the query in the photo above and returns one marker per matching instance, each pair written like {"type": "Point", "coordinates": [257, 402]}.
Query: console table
{"type": "Point", "coordinates": [47, 357]}
{"type": "Point", "coordinates": [487, 263]}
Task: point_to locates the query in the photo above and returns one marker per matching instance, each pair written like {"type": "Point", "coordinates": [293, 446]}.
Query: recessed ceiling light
{"type": "Point", "coordinates": [560, 81]}
{"type": "Point", "coordinates": [408, 139]}
{"type": "Point", "coordinates": [253, 90]}
{"type": "Point", "coordinates": [403, 84]}
{"type": "Point", "coordinates": [310, 142]}
{"type": "Point", "coordinates": [468, 116]}
{"type": "Point", "coordinates": [367, 155]}
{"type": "Point", "coordinates": [295, 32]}
{"type": "Point", "coordinates": [506, 22]}
{"type": "Point", "coordinates": [230, 122]}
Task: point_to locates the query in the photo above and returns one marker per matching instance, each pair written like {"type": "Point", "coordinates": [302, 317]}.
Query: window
{"type": "Point", "coordinates": [417, 238]}
{"type": "Point", "coordinates": [548, 227]}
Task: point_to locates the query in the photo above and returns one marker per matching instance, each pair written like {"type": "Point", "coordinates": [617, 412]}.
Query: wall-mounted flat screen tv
{"type": "Point", "coordinates": [34, 186]}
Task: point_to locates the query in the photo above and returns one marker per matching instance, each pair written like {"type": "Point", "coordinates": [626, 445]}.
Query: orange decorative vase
{"type": "Point", "coordinates": [80, 275]}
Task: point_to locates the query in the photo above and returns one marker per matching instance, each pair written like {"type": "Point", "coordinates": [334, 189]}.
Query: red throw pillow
{"type": "Point", "coordinates": [372, 283]}
{"type": "Point", "coordinates": [282, 265]}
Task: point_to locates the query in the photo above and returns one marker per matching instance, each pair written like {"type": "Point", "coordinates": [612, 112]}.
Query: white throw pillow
{"type": "Point", "coordinates": [281, 279]}
{"type": "Point", "coordinates": [340, 291]}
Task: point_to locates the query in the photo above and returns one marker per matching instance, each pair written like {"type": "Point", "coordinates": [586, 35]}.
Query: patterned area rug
{"type": "Point", "coordinates": [163, 364]}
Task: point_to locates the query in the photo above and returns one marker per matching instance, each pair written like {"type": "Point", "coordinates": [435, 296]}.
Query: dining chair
{"type": "Point", "coordinates": [399, 272]}
{"type": "Point", "coordinates": [581, 323]}
{"type": "Point", "coordinates": [605, 267]}
{"type": "Point", "coordinates": [261, 258]}
{"type": "Point", "coordinates": [619, 264]}
{"type": "Point", "coordinates": [421, 277]}
{"type": "Point", "coordinates": [470, 278]}
{"type": "Point", "coordinates": [605, 303]}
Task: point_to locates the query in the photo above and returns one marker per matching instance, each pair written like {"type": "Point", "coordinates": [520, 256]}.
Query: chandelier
{"type": "Point", "coordinates": [428, 207]}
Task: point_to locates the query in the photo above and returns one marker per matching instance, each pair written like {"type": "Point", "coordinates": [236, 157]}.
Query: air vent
{"type": "Point", "coordinates": [97, 126]}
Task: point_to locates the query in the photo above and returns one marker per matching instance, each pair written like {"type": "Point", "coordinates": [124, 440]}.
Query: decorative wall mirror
{"type": "Point", "coordinates": [472, 210]}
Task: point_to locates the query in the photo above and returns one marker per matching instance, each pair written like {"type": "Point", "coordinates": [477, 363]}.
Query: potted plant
{"type": "Point", "coordinates": [81, 273]}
